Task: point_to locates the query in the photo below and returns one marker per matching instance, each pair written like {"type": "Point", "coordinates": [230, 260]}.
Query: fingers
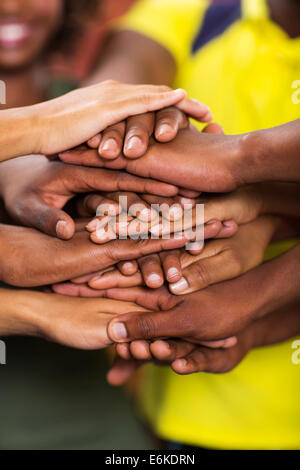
{"type": "Point", "coordinates": [128, 268]}
{"type": "Point", "coordinates": [170, 208]}
{"type": "Point", "coordinates": [147, 326]}
{"type": "Point", "coordinates": [213, 128]}
{"type": "Point", "coordinates": [151, 270]}
{"type": "Point", "coordinates": [138, 131]}
{"type": "Point", "coordinates": [168, 123]}
{"type": "Point", "coordinates": [76, 290]}
{"type": "Point", "coordinates": [169, 350]}
{"type": "Point", "coordinates": [217, 361]}
{"type": "Point", "coordinates": [115, 279]}
{"type": "Point", "coordinates": [195, 109]}
{"type": "Point", "coordinates": [213, 265]}
{"type": "Point", "coordinates": [94, 142]}
{"type": "Point", "coordinates": [171, 265]}
{"type": "Point", "coordinates": [89, 204]}
{"type": "Point", "coordinates": [111, 144]}
{"type": "Point", "coordinates": [147, 99]}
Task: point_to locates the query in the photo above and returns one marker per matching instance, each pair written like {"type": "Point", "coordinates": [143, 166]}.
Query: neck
{"type": "Point", "coordinates": [23, 88]}
{"type": "Point", "coordinates": [286, 14]}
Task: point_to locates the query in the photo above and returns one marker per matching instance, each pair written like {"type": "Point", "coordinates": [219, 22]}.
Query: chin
{"type": "Point", "coordinates": [16, 61]}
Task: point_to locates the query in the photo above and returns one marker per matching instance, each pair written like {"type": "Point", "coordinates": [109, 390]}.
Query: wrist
{"type": "Point", "coordinates": [254, 157]}
{"type": "Point", "coordinates": [277, 283]}
{"type": "Point", "coordinates": [24, 139]}
{"type": "Point", "coordinates": [20, 314]}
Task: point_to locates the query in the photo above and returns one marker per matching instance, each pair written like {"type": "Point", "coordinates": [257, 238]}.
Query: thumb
{"type": "Point", "coordinates": [218, 267]}
{"type": "Point", "coordinates": [34, 212]}
{"type": "Point", "coordinates": [152, 325]}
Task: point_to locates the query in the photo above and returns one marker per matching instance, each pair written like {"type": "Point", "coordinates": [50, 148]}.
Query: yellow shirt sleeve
{"type": "Point", "coordinates": [171, 23]}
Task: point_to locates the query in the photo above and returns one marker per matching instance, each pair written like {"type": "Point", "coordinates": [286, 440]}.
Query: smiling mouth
{"type": "Point", "coordinates": [14, 35]}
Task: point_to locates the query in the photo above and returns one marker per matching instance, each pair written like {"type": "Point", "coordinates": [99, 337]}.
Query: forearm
{"type": "Point", "coordinates": [132, 58]}
{"type": "Point", "coordinates": [280, 199]}
{"type": "Point", "coordinates": [276, 284]}
{"type": "Point", "coordinates": [19, 132]}
{"type": "Point", "coordinates": [270, 154]}
{"type": "Point", "coordinates": [277, 327]}
{"type": "Point", "coordinates": [19, 313]}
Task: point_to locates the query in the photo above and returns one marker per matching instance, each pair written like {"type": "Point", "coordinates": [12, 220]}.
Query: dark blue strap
{"type": "Point", "coordinates": [217, 19]}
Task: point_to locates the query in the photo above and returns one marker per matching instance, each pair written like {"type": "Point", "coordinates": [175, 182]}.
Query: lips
{"type": "Point", "coordinates": [14, 35]}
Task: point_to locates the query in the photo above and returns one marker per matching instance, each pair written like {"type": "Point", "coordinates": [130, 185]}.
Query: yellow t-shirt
{"type": "Point", "coordinates": [236, 60]}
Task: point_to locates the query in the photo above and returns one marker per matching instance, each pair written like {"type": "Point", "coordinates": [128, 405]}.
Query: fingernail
{"type": "Point", "coordinates": [195, 246]}
{"type": "Point", "coordinates": [180, 91]}
{"type": "Point", "coordinates": [181, 363]}
{"type": "Point", "coordinates": [209, 116]}
{"type": "Point", "coordinates": [180, 286]}
{"type": "Point", "coordinates": [109, 144]}
{"type": "Point", "coordinates": [210, 222]}
{"type": "Point", "coordinates": [119, 331]}
{"type": "Point", "coordinates": [154, 279]}
{"type": "Point", "coordinates": [228, 223]}
{"type": "Point", "coordinates": [134, 142]}
{"type": "Point", "coordinates": [94, 279]}
{"type": "Point", "coordinates": [61, 229]}
{"type": "Point", "coordinates": [164, 129]}
{"type": "Point", "coordinates": [145, 214]}
{"type": "Point", "coordinates": [175, 213]}
{"type": "Point", "coordinates": [128, 266]}
{"type": "Point", "coordinates": [92, 226]}
{"type": "Point", "coordinates": [156, 230]}
{"type": "Point", "coordinates": [187, 201]}
{"type": "Point", "coordinates": [172, 272]}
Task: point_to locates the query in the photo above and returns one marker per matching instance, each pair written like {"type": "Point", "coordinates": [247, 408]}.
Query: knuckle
{"type": "Point", "coordinates": [200, 274]}
{"type": "Point", "coordinates": [110, 83]}
{"type": "Point", "coordinates": [148, 261]}
{"type": "Point", "coordinates": [146, 327]}
{"type": "Point", "coordinates": [235, 262]}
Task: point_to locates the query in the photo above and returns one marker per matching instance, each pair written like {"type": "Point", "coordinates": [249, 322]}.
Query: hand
{"type": "Point", "coordinates": [217, 312]}
{"type": "Point", "coordinates": [196, 161]}
{"type": "Point", "coordinates": [76, 323]}
{"type": "Point", "coordinates": [132, 136]}
{"type": "Point", "coordinates": [187, 358]}
{"type": "Point", "coordinates": [30, 258]}
{"type": "Point", "coordinates": [35, 190]}
{"type": "Point", "coordinates": [220, 260]}
{"type": "Point", "coordinates": [151, 270]}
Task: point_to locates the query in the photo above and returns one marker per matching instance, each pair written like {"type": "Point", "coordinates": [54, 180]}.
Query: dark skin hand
{"type": "Point", "coordinates": [218, 312]}
{"type": "Point", "coordinates": [35, 191]}
{"type": "Point", "coordinates": [219, 261]}
{"type": "Point", "coordinates": [132, 136]}
{"type": "Point", "coordinates": [212, 163]}
{"type": "Point", "coordinates": [30, 258]}
{"type": "Point", "coordinates": [187, 358]}
{"type": "Point", "coordinates": [178, 162]}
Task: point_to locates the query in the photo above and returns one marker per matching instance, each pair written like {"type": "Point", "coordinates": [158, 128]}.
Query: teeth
{"type": "Point", "coordinates": [12, 32]}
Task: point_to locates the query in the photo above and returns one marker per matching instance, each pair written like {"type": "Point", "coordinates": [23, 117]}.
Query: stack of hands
{"type": "Point", "coordinates": [197, 309]}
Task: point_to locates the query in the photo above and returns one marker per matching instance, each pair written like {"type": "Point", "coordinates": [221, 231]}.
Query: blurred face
{"type": "Point", "coordinates": [26, 26]}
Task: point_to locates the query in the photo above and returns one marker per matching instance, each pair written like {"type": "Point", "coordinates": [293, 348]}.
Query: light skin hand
{"type": "Point", "coordinates": [65, 122]}
{"type": "Point", "coordinates": [76, 323]}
